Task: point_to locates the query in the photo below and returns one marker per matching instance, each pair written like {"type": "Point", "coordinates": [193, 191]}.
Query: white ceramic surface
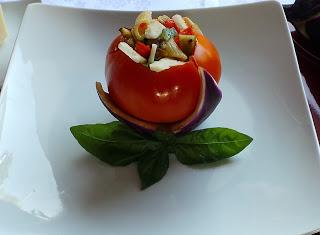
{"type": "Point", "coordinates": [148, 4]}
{"type": "Point", "coordinates": [13, 12]}
{"type": "Point", "coordinates": [50, 185]}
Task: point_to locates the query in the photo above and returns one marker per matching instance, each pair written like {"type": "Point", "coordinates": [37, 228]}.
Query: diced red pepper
{"type": "Point", "coordinates": [171, 24]}
{"type": "Point", "coordinates": [187, 31]}
{"type": "Point", "coordinates": [176, 39]}
{"type": "Point", "coordinates": [142, 27]}
{"type": "Point", "coordinates": [143, 49]}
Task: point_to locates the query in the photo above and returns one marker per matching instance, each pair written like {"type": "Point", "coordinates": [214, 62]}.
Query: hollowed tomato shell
{"type": "Point", "coordinates": [159, 97]}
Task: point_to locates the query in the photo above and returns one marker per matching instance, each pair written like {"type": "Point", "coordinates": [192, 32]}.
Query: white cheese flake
{"type": "Point", "coordinates": [152, 53]}
{"type": "Point", "coordinates": [164, 63]}
{"type": "Point", "coordinates": [135, 56]}
{"type": "Point", "coordinates": [179, 22]}
{"type": "Point", "coordinates": [154, 29]}
{"type": "Point", "coordinates": [3, 28]}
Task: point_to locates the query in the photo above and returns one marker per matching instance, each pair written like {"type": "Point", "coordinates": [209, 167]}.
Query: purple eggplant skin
{"type": "Point", "coordinates": [209, 98]}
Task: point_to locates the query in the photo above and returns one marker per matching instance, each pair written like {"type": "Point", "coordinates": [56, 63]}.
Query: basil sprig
{"type": "Point", "coordinates": [119, 145]}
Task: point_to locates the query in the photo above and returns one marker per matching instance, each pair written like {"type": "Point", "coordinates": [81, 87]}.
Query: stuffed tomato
{"type": "Point", "coordinates": [162, 74]}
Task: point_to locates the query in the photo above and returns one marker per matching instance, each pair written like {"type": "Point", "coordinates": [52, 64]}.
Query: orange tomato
{"type": "Point", "coordinates": [207, 56]}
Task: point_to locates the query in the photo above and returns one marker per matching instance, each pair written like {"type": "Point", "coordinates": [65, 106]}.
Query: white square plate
{"type": "Point", "coordinates": [50, 185]}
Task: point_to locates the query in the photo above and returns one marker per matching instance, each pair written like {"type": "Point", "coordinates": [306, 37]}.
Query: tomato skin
{"type": "Point", "coordinates": [160, 97]}
{"type": "Point", "coordinates": [207, 56]}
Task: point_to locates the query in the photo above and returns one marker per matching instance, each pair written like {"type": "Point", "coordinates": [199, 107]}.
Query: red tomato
{"type": "Point", "coordinates": [187, 31]}
{"type": "Point", "coordinates": [143, 49]}
{"type": "Point", "coordinates": [161, 97]}
{"type": "Point", "coordinates": [171, 24]}
{"type": "Point", "coordinates": [142, 27]}
{"type": "Point", "coordinates": [176, 39]}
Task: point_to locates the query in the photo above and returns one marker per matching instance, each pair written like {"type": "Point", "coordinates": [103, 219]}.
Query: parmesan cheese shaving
{"type": "Point", "coordinates": [163, 64]}
{"type": "Point", "coordinates": [126, 49]}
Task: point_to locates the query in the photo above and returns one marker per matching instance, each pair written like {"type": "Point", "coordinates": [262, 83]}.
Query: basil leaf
{"type": "Point", "coordinates": [119, 145]}
{"type": "Point", "coordinates": [209, 145]}
{"type": "Point", "coordinates": [113, 143]}
{"type": "Point", "coordinates": [152, 167]}
{"type": "Point", "coordinates": [167, 139]}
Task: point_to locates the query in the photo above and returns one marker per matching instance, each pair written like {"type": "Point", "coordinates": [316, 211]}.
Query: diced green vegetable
{"type": "Point", "coordinates": [130, 42]}
{"type": "Point", "coordinates": [126, 33]}
{"type": "Point", "coordinates": [187, 43]}
{"type": "Point", "coordinates": [152, 41]}
{"type": "Point", "coordinates": [170, 49]}
{"type": "Point", "coordinates": [167, 34]}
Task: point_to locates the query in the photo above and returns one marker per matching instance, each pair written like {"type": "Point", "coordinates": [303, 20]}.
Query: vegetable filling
{"type": "Point", "coordinates": [160, 43]}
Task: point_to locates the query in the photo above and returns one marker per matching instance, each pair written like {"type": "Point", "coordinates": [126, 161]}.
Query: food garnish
{"type": "Point", "coordinates": [162, 76]}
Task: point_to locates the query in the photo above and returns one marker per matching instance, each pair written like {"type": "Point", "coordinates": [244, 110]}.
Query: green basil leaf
{"type": "Point", "coordinates": [113, 143]}
{"type": "Point", "coordinates": [152, 167]}
{"type": "Point", "coordinates": [167, 139]}
{"type": "Point", "coordinates": [209, 145]}
{"type": "Point", "coordinates": [119, 145]}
